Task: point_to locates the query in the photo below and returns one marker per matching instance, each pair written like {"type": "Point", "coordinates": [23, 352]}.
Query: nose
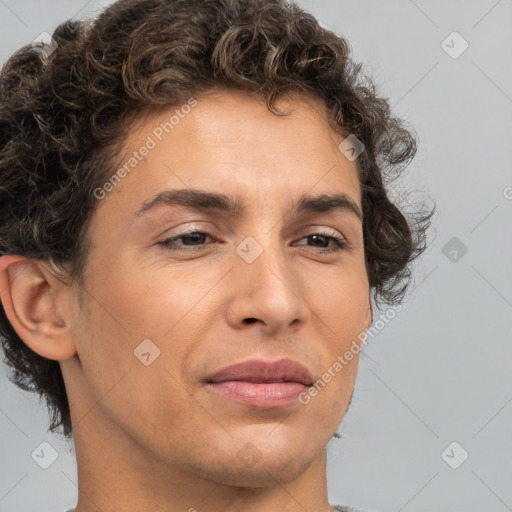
{"type": "Point", "coordinates": [268, 292]}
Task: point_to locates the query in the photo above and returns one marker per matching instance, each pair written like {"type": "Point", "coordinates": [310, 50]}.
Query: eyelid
{"type": "Point", "coordinates": [307, 231]}
{"type": "Point", "coordinates": [340, 241]}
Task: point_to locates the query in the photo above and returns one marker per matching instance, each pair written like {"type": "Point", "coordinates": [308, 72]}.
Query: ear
{"type": "Point", "coordinates": [29, 296]}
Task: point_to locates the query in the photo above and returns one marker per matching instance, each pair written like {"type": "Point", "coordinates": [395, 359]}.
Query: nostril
{"type": "Point", "coordinates": [250, 320]}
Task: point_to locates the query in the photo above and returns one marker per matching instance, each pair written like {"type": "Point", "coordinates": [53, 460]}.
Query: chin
{"type": "Point", "coordinates": [267, 473]}
{"type": "Point", "coordinates": [260, 463]}
{"type": "Point", "coordinates": [272, 462]}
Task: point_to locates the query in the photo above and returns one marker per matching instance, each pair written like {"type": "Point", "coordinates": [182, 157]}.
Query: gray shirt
{"type": "Point", "coordinates": [345, 508]}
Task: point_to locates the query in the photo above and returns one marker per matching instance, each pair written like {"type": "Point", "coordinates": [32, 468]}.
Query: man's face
{"type": "Point", "coordinates": [257, 284]}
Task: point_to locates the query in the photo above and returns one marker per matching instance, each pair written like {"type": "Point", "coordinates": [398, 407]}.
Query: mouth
{"type": "Point", "coordinates": [261, 384]}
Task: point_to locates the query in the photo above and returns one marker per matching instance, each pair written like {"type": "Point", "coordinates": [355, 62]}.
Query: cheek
{"type": "Point", "coordinates": [342, 300]}
{"type": "Point", "coordinates": [117, 316]}
{"type": "Point", "coordinates": [169, 307]}
{"type": "Point", "coordinates": [347, 308]}
{"type": "Point", "coordinates": [148, 302]}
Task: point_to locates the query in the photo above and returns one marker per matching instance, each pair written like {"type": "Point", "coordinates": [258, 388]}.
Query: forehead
{"type": "Point", "coordinates": [238, 117]}
{"type": "Point", "coordinates": [229, 140]}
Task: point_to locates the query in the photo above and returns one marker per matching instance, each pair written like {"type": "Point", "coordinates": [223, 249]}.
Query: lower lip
{"type": "Point", "coordinates": [259, 395]}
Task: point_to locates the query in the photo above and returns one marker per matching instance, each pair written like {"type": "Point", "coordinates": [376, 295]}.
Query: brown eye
{"type": "Point", "coordinates": [194, 239]}
{"type": "Point", "coordinates": [324, 240]}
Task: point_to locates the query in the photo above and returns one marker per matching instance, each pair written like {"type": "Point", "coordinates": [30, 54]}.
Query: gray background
{"type": "Point", "coordinates": [440, 371]}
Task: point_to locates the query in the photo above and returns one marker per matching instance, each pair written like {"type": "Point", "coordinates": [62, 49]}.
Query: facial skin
{"type": "Point", "coordinates": [153, 437]}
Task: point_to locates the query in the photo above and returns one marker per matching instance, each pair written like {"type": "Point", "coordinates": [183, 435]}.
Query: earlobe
{"type": "Point", "coordinates": [28, 298]}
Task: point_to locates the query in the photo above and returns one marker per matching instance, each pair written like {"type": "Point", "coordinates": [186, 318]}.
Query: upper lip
{"type": "Point", "coordinates": [262, 371]}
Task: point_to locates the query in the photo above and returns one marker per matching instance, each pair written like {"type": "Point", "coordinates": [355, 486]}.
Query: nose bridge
{"type": "Point", "coordinates": [262, 256]}
{"type": "Point", "coordinates": [267, 287]}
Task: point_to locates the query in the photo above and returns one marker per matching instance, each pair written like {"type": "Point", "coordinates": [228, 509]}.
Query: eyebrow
{"type": "Point", "coordinates": [208, 201]}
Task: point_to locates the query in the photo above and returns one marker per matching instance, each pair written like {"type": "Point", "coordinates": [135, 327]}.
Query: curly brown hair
{"type": "Point", "coordinates": [64, 115]}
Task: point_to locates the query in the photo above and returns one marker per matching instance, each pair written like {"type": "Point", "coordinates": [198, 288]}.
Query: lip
{"type": "Point", "coordinates": [261, 384]}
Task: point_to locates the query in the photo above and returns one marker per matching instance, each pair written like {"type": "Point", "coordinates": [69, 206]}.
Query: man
{"type": "Point", "coordinates": [193, 221]}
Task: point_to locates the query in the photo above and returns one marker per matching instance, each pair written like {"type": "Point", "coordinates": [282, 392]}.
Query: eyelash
{"type": "Point", "coordinates": [341, 243]}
